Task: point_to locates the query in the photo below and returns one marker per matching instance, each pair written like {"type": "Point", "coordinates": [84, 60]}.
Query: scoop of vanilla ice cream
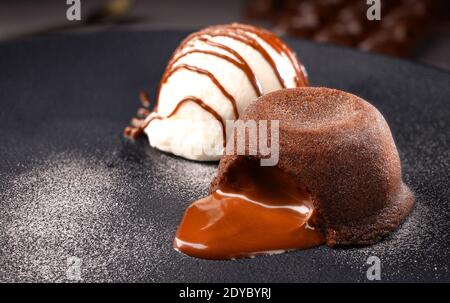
{"type": "Point", "coordinates": [212, 77]}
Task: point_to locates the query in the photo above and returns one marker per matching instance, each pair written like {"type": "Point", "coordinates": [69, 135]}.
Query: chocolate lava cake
{"type": "Point", "coordinates": [341, 149]}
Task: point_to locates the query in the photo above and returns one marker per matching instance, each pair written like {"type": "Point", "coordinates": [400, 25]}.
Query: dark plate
{"type": "Point", "coordinates": [70, 186]}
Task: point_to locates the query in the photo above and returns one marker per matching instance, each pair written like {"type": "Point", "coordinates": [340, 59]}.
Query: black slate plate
{"type": "Point", "coordinates": [71, 187]}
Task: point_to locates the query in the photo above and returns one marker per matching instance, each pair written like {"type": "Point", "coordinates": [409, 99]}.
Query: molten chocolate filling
{"type": "Point", "coordinates": [256, 210]}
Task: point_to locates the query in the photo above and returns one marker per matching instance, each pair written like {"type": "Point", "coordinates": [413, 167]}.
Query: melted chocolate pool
{"type": "Point", "coordinates": [257, 210]}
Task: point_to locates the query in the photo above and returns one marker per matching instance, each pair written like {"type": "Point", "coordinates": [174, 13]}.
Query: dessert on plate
{"type": "Point", "coordinates": [336, 178]}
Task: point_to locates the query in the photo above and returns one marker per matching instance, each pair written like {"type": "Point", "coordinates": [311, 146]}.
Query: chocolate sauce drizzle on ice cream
{"type": "Point", "coordinates": [212, 77]}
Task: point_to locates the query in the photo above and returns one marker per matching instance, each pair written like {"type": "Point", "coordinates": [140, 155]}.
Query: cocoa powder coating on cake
{"type": "Point", "coordinates": [341, 149]}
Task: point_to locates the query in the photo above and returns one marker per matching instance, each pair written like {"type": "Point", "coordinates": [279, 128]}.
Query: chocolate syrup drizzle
{"type": "Point", "coordinates": [243, 33]}
{"type": "Point", "coordinates": [198, 70]}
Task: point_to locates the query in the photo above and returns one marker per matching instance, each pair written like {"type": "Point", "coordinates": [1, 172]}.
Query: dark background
{"type": "Point", "coordinates": [23, 18]}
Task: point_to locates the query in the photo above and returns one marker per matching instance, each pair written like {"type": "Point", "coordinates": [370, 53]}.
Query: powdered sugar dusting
{"type": "Point", "coordinates": [67, 206]}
